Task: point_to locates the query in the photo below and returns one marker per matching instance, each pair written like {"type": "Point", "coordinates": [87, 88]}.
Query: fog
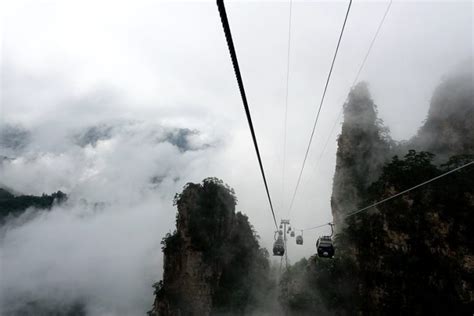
{"type": "Point", "coordinates": [121, 103]}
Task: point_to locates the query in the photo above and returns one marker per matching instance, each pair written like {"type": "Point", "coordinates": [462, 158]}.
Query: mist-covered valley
{"type": "Point", "coordinates": [102, 239]}
{"type": "Point", "coordinates": [95, 251]}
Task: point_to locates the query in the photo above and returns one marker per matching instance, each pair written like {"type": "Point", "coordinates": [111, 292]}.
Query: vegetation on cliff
{"type": "Point", "coordinates": [411, 254]}
{"type": "Point", "coordinates": [229, 270]}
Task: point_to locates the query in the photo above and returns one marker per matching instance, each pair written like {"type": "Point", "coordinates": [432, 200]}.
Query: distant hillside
{"type": "Point", "coordinates": [13, 206]}
{"type": "Point", "coordinates": [14, 137]}
{"type": "Point", "coordinates": [179, 137]}
{"type": "Point", "coordinates": [35, 308]}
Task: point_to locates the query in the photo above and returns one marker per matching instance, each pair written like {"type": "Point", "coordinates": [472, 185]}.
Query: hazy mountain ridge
{"type": "Point", "coordinates": [15, 139]}
{"type": "Point", "coordinates": [69, 159]}
{"type": "Point", "coordinates": [448, 128]}
{"type": "Point", "coordinates": [179, 137]}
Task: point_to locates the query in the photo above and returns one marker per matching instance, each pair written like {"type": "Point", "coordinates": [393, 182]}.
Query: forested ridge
{"type": "Point", "coordinates": [14, 205]}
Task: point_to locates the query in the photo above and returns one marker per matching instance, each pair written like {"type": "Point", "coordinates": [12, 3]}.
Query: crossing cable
{"type": "Point", "coordinates": [320, 106]}
{"type": "Point", "coordinates": [311, 228]}
{"type": "Point", "coordinates": [355, 79]}
{"type": "Point", "coordinates": [286, 105]}
{"type": "Point", "coordinates": [408, 190]}
{"type": "Point", "coordinates": [233, 55]}
{"type": "Point", "coordinates": [397, 194]}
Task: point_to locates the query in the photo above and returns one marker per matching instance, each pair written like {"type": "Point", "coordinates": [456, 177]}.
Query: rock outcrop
{"type": "Point", "coordinates": [364, 144]}
{"type": "Point", "coordinates": [413, 254]}
{"type": "Point", "coordinates": [212, 262]}
{"type": "Point", "coordinates": [363, 148]}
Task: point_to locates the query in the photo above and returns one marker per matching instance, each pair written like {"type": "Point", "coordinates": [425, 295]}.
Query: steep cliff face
{"type": "Point", "coordinates": [212, 262]}
{"type": "Point", "coordinates": [188, 280]}
{"type": "Point", "coordinates": [363, 147]}
{"type": "Point", "coordinates": [364, 144]}
{"type": "Point", "coordinates": [412, 255]}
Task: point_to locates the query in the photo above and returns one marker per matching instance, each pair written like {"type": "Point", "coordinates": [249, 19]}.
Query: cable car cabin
{"type": "Point", "coordinates": [292, 234]}
{"type": "Point", "coordinates": [299, 240]}
{"type": "Point", "coordinates": [279, 247]}
{"type": "Point", "coordinates": [325, 247]}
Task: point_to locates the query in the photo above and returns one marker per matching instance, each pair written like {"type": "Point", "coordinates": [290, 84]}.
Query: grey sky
{"type": "Point", "coordinates": [67, 65]}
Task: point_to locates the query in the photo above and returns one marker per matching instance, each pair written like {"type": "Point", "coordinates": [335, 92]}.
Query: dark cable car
{"type": "Point", "coordinates": [292, 234]}
{"type": "Point", "coordinates": [299, 240]}
{"type": "Point", "coordinates": [325, 247]}
{"type": "Point", "coordinates": [279, 247]}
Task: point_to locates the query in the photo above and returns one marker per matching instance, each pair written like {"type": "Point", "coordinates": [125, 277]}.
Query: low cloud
{"type": "Point", "coordinates": [101, 248]}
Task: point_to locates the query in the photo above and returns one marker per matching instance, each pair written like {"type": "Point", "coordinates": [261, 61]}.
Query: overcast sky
{"type": "Point", "coordinates": [156, 65]}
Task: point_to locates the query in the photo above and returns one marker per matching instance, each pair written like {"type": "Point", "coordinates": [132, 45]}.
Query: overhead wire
{"type": "Point", "coordinates": [361, 67]}
{"type": "Point", "coordinates": [320, 106]}
{"type": "Point", "coordinates": [356, 79]}
{"type": "Point", "coordinates": [408, 190]}
{"type": "Point", "coordinates": [235, 63]}
{"type": "Point", "coordinates": [315, 227]}
{"type": "Point", "coordinates": [286, 104]}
